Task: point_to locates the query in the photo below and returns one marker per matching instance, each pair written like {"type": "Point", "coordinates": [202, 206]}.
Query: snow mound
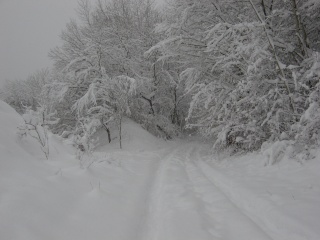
{"type": "Point", "coordinates": [14, 147]}
{"type": "Point", "coordinates": [59, 198]}
{"type": "Point", "coordinates": [11, 146]}
{"type": "Point", "coordinates": [9, 121]}
{"type": "Point", "coordinates": [134, 138]}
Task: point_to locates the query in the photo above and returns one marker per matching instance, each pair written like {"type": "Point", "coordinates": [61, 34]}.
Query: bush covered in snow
{"type": "Point", "coordinates": [36, 124]}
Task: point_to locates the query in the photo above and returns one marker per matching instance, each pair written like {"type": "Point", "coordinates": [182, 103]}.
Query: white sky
{"type": "Point", "coordinates": [28, 30]}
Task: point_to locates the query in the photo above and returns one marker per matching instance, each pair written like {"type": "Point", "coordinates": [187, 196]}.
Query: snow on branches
{"type": "Point", "coordinates": [107, 99]}
{"type": "Point", "coordinates": [36, 125]}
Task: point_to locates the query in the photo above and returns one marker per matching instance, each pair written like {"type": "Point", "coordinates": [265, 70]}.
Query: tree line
{"type": "Point", "coordinates": [242, 73]}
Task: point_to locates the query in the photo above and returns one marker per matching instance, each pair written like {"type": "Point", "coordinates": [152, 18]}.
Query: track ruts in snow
{"type": "Point", "coordinates": [173, 212]}
{"type": "Point", "coordinates": [151, 221]}
{"type": "Point", "coordinates": [262, 212]}
{"type": "Point", "coordinates": [224, 219]}
{"type": "Point", "coordinates": [185, 202]}
{"type": "Point", "coordinates": [185, 205]}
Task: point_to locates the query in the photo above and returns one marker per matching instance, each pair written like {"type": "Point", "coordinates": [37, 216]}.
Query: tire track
{"type": "Point", "coordinates": [151, 223]}
{"type": "Point", "coordinates": [275, 224]}
{"type": "Point", "coordinates": [185, 202]}
{"type": "Point", "coordinates": [173, 209]}
{"type": "Point", "coordinates": [227, 220]}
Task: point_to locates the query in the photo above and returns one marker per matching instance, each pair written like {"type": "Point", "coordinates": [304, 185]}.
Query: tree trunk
{"type": "Point", "coordinates": [109, 134]}
{"type": "Point", "coordinates": [150, 103]}
{"type": "Point", "coordinates": [120, 140]}
{"type": "Point", "coordinates": [107, 130]}
{"type": "Point", "coordinates": [300, 30]}
{"type": "Point", "coordinates": [175, 118]}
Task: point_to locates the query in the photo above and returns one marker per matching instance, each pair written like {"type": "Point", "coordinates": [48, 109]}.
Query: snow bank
{"type": "Point", "coordinates": [58, 199]}
{"type": "Point", "coordinates": [28, 199]}
{"type": "Point", "coordinates": [18, 156]}
{"type": "Point", "coordinates": [283, 199]}
{"type": "Point", "coordinates": [9, 121]}
{"type": "Point", "coordinates": [134, 138]}
{"type": "Point", "coordinates": [13, 146]}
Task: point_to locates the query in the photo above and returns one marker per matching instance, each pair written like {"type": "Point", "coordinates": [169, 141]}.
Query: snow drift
{"type": "Point", "coordinates": [59, 199]}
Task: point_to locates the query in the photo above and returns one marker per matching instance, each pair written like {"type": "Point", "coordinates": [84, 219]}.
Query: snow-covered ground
{"type": "Point", "coordinates": [150, 190]}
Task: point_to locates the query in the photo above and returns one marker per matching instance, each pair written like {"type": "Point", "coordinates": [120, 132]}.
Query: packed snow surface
{"type": "Point", "coordinates": [151, 189]}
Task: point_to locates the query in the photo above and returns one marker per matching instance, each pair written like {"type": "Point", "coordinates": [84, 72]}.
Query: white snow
{"type": "Point", "coordinates": [151, 189]}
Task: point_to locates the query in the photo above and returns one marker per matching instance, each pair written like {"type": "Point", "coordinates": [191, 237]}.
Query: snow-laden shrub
{"type": "Point", "coordinates": [276, 151]}
{"type": "Point", "coordinates": [306, 131]}
{"type": "Point", "coordinates": [304, 134]}
{"type": "Point", "coordinates": [83, 136]}
{"type": "Point", "coordinates": [36, 125]}
{"type": "Point", "coordinates": [310, 125]}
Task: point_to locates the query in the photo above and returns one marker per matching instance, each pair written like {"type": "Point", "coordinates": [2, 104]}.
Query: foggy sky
{"type": "Point", "coordinates": [28, 30]}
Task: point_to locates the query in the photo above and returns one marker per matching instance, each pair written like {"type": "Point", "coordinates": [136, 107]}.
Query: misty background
{"type": "Point", "coordinates": [28, 30]}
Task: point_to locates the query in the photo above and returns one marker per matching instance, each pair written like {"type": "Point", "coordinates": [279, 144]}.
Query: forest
{"type": "Point", "coordinates": [242, 74]}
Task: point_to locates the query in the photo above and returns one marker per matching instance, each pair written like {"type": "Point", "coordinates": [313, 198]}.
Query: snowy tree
{"type": "Point", "coordinates": [237, 62]}
{"type": "Point", "coordinates": [242, 73]}
{"type": "Point", "coordinates": [110, 38]}
{"type": "Point", "coordinates": [108, 99]}
{"type": "Point", "coordinates": [26, 93]}
{"type": "Point", "coordinates": [306, 131]}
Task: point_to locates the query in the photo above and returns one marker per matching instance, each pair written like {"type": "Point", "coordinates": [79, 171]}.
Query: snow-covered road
{"type": "Point", "coordinates": [192, 200]}
{"type": "Point", "coordinates": [185, 204]}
